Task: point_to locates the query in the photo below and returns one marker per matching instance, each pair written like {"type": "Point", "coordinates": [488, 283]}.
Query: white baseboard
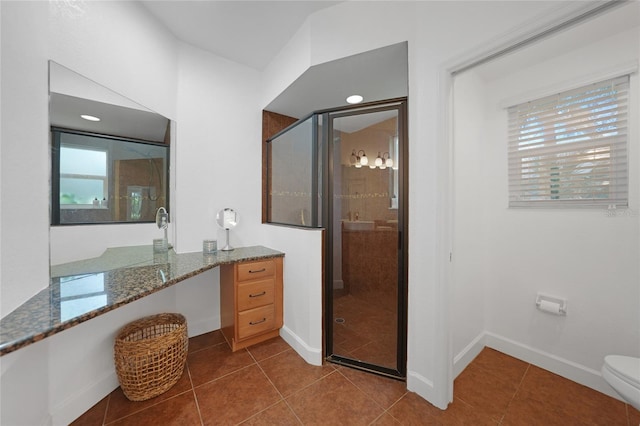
{"type": "Point", "coordinates": [560, 366]}
{"type": "Point", "coordinates": [557, 365]}
{"type": "Point", "coordinates": [312, 355]}
{"type": "Point", "coordinates": [466, 355]}
{"type": "Point", "coordinates": [78, 403]}
{"type": "Point", "coordinates": [421, 385]}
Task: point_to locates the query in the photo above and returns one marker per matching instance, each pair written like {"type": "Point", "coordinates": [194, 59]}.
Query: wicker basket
{"type": "Point", "coordinates": [150, 354]}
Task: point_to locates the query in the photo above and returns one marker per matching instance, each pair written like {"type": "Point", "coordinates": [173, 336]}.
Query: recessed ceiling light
{"type": "Point", "coordinates": [354, 99]}
{"type": "Point", "coordinates": [90, 117]}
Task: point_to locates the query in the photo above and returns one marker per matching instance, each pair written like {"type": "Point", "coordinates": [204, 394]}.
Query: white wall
{"type": "Point", "coordinates": [70, 34]}
{"type": "Point", "coordinates": [584, 255]}
{"type": "Point", "coordinates": [302, 290]}
{"type": "Point", "coordinates": [470, 236]}
{"type": "Point", "coordinates": [24, 133]}
{"type": "Point", "coordinates": [219, 158]}
{"type": "Point", "coordinates": [54, 381]}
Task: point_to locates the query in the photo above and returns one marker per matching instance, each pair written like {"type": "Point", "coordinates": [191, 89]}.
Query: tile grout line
{"type": "Point", "coordinates": [394, 404]}
{"type": "Point", "coordinates": [300, 390]}
{"type": "Point", "coordinates": [104, 416]}
{"type": "Point", "coordinates": [146, 408]}
{"type": "Point", "coordinates": [514, 394]}
{"type": "Point", "coordinates": [195, 397]}
{"type": "Point", "coordinates": [223, 376]}
{"type": "Point", "coordinates": [361, 390]}
{"type": "Point", "coordinates": [282, 398]}
{"type": "Point", "coordinates": [193, 388]}
{"type": "Point", "coordinates": [207, 347]}
{"type": "Point", "coordinates": [384, 410]}
{"type": "Point", "coordinates": [270, 356]}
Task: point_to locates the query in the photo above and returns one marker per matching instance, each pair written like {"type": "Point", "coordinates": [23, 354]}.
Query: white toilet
{"type": "Point", "coordinates": [623, 374]}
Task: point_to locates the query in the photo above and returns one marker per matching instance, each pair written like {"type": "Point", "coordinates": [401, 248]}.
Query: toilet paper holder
{"type": "Point", "coordinates": [551, 304]}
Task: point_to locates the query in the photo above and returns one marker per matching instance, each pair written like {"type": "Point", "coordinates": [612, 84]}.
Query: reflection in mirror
{"type": "Point", "coordinates": [104, 172]}
{"type": "Point", "coordinates": [110, 161]}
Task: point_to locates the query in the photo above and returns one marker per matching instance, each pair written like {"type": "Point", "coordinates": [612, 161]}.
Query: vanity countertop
{"type": "Point", "coordinates": [120, 276]}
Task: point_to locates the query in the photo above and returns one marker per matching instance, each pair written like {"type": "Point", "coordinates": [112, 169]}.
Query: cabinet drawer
{"type": "Point", "coordinates": [255, 293]}
{"type": "Point", "coordinates": [253, 270]}
{"type": "Point", "coordinates": [255, 321]}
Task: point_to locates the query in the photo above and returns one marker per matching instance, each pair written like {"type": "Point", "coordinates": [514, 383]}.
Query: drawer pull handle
{"type": "Point", "coordinates": [258, 294]}
{"type": "Point", "coordinates": [257, 322]}
{"type": "Point", "coordinates": [259, 270]}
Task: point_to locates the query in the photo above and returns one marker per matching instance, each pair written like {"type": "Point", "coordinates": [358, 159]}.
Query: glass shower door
{"type": "Point", "coordinates": [366, 314]}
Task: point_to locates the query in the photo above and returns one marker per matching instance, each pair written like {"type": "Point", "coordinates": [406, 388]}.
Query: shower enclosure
{"type": "Point", "coordinates": [344, 170]}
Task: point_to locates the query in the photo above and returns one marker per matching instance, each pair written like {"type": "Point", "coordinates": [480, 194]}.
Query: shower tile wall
{"type": "Point", "coordinates": [367, 192]}
{"type": "Point", "coordinates": [370, 265]}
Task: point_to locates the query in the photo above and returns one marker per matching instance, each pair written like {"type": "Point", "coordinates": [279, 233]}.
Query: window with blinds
{"type": "Point", "coordinates": [570, 149]}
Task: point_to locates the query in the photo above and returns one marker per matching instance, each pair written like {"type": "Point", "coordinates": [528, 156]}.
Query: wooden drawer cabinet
{"type": "Point", "coordinates": [251, 301]}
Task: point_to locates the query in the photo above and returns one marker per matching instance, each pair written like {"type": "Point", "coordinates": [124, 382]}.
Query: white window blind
{"type": "Point", "coordinates": [570, 149]}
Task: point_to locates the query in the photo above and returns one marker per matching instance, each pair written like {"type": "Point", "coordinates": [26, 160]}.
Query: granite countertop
{"type": "Point", "coordinates": [80, 291]}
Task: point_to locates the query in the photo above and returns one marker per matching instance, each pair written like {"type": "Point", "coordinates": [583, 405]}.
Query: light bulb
{"type": "Point", "coordinates": [354, 99]}
{"type": "Point", "coordinates": [364, 160]}
{"type": "Point", "coordinates": [389, 162]}
{"type": "Point", "coordinates": [378, 161]}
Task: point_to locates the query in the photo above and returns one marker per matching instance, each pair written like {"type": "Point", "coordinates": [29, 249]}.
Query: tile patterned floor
{"type": "Point", "coordinates": [269, 384]}
{"type": "Point", "coordinates": [367, 331]}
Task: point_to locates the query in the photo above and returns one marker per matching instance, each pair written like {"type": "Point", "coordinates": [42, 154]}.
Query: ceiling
{"type": "Point", "coordinates": [376, 75]}
{"type": "Point", "coordinates": [247, 32]}
{"type": "Point", "coordinates": [252, 33]}
{"type": "Point", "coordinates": [115, 120]}
{"type": "Point", "coordinates": [72, 94]}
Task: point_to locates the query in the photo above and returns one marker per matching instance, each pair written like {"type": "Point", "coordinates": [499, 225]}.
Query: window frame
{"type": "Point", "coordinates": [104, 179]}
{"type": "Point", "coordinates": [55, 205]}
{"type": "Point", "coordinates": [533, 152]}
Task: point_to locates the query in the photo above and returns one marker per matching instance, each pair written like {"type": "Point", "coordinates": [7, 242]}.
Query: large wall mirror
{"type": "Point", "coordinates": [110, 163]}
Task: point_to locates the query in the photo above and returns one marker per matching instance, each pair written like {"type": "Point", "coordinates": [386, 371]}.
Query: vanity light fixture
{"type": "Point", "coordinates": [354, 99]}
{"type": "Point", "coordinates": [89, 117]}
{"type": "Point", "coordinates": [382, 161]}
{"type": "Point", "coordinates": [378, 161]}
{"type": "Point", "coordinates": [353, 159]}
{"type": "Point", "coordinates": [363, 160]}
{"type": "Point", "coordinates": [359, 160]}
{"type": "Point", "coordinates": [388, 161]}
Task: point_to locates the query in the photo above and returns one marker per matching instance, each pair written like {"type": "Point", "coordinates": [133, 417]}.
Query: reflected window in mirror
{"type": "Point", "coordinates": [78, 295]}
{"type": "Point", "coordinates": [106, 179]}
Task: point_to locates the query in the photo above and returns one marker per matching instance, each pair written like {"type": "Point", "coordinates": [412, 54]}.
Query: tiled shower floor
{"type": "Point", "coordinates": [368, 332]}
